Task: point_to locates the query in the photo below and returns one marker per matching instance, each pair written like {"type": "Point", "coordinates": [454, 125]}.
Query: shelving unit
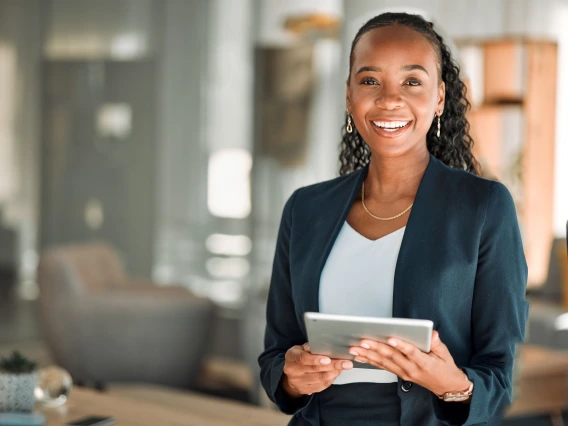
{"type": "Point", "coordinates": [513, 84]}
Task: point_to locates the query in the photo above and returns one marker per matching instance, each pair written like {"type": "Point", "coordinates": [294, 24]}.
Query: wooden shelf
{"type": "Point", "coordinates": [513, 132]}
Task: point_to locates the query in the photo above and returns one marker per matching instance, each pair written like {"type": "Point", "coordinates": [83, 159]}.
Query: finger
{"type": "Point", "coordinates": [320, 362]}
{"type": "Point", "coordinates": [381, 353]}
{"type": "Point", "coordinates": [438, 347]}
{"type": "Point", "coordinates": [322, 377]}
{"type": "Point", "coordinates": [306, 358]}
{"type": "Point", "coordinates": [342, 364]}
{"type": "Point", "coordinates": [411, 352]}
{"type": "Point", "coordinates": [302, 357]}
{"type": "Point", "coordinates": [335, 365]}
{"type": "Point", "coordinates": [384, 364]}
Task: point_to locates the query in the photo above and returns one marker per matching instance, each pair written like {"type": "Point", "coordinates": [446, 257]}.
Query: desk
{"type": "Point", "coordinates": [542, 390]}
{"type": "Point", "coordinates": [156, 405]}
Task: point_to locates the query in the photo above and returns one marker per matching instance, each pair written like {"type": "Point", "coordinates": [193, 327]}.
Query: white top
{"type": "Point", "coordinates": [358, 279]}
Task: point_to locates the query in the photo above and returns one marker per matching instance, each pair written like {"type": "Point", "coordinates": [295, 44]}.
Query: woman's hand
{"type": "Point", "coordinates": [305, 373]}
{"type": "Point", "coordinates": [435, 371]}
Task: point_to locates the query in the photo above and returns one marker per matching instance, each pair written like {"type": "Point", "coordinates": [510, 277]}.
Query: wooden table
{"type": "Point", "coordinates": [542, 390]}
{"type": "Point", "coordinates": [155, 405]}
{"type": "Point", "coordinates": [542, 383]}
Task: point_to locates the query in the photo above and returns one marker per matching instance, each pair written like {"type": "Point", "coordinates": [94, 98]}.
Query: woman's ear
{"type": "Point", "coordinates": [441, 96]}
{"type": "Point", "coordinates": [347, 98]}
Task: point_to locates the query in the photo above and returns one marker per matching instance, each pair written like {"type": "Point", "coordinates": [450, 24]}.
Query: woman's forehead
{"type": "Point", "coordinates": [394, 43]}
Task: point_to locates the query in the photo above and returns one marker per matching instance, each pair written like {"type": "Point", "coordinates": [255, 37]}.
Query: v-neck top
{"type": "Point", "coordinates": [358, 279]}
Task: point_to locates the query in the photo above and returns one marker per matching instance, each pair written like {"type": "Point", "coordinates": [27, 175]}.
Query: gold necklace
{"type": "Point", "coordinates": [376, 217]}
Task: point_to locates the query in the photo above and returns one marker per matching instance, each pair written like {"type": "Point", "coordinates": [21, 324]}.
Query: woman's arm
{"type": "Point", "coordinates": [282, 328]}
{"type": "Point", "coordinates": [499, 315]}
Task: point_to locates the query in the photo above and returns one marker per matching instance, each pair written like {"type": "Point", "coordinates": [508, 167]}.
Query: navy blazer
{"type": "Point", "coordinates": [461, 264]}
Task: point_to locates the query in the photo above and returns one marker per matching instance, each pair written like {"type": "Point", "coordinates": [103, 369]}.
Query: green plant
{"type": "Point", "coordinates": [17, 364]}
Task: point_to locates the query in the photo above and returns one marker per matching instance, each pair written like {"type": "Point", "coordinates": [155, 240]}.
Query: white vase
{"type": "Point", "coordinates": [17, 392]}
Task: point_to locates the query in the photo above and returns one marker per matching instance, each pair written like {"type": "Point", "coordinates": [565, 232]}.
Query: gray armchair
{"type": "Point", "coordinates": [102, 326]}
{"type": "Point", "coordinates": [548, 320]}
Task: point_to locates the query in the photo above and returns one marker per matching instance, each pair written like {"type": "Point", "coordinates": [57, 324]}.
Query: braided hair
{"type": "Point", "coordinates": [453, 147]}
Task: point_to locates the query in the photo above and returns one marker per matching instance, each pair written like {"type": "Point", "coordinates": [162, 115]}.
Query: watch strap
{"type": "Point", "coordinates": [457, 396]}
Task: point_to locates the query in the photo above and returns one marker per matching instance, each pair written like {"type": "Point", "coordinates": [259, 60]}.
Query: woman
{"type": "Point", "coordinates": [408, 230]}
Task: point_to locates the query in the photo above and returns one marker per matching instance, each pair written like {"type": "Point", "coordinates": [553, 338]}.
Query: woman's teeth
{"type": "Point", "coordinates": [391, 126]}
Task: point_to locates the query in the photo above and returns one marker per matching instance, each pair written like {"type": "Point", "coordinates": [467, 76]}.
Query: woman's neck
{"type": "Point", "coordinates": [392, 178]}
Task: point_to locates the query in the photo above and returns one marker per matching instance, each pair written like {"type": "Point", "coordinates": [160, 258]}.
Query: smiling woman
{"type": "Point", "coordinates": [453, 146]}
{"type": "Point", "coordinates": [408, 230]}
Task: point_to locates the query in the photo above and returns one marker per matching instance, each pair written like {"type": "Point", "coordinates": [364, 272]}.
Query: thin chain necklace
{"type": "Point", "coordinates": [376, 217]}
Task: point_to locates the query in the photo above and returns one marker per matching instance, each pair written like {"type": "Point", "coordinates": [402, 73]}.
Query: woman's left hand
{"type": "Point", "coordinates": [435, 371]}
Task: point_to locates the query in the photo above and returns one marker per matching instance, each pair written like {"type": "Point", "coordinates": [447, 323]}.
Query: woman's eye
{"type": "Point", "coordinates": [370, 81]}
{"type": "Point", "coordinates": [414, 82]}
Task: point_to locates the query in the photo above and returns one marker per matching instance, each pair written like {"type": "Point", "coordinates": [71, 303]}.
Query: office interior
{"type": "Point", "coordinates": [147, 148]}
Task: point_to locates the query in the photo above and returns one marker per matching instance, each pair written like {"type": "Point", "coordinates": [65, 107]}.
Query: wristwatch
{"type": "Point", "coordinates": [458, 396]}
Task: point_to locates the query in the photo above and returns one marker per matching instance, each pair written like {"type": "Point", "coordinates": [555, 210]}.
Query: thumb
{"type": "Point", "coordinates": [435, 337]}
{"type": "Point", "coordinates": [437, 345]}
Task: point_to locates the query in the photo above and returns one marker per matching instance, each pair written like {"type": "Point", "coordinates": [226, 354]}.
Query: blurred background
{"type": "Point", "coordinates": [147, 148]}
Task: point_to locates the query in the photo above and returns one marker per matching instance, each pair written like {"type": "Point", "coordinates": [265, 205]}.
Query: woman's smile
{"type": "Point", "coordinates": [390, 129]}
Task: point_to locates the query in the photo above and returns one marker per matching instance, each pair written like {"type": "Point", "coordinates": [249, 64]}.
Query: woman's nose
{"type": "Point", "coordinates": [388, 98]}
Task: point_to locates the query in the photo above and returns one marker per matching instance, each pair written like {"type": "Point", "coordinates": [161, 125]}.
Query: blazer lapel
{"type": "Point", "coordinates": [334, 207]}
{"type": "Point", "coordinates": [410, 289]}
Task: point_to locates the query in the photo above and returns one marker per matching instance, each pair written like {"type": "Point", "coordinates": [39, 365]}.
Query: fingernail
{"type": "Point", "coordinates": [392, 342]}
{"type": "Point", "coordinates": [347, 365]}
{"type": "Point", "coordinates": [353, 353]}
{"type": "Point", "coordinates": [365, 345]}
{"type": "Point", "coordinates": [325, 361]}
{"type": "Point", "coordinates": [361, 361]}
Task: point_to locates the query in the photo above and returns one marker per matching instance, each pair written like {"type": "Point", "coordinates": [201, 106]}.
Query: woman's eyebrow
{"type": "Point", "coordinates": [403, 68]}
{"type": "Point", "coordinates": [364, 69]}
{"type": "Point", "coordinates": [414, 67]}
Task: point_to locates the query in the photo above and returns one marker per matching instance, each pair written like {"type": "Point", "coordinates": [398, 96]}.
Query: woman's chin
{"type": "Point", "coordinates": [389, 149]}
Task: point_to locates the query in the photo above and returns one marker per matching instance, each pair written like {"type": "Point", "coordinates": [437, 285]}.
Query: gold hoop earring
{"type": "Point", "coordinates": [349, 127]}
{"type": "Point", "coordinates": [438, 132]}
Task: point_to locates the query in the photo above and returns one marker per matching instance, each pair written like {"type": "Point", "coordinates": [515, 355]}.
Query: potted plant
{"type": "Point", "coordinates": [18, 378]}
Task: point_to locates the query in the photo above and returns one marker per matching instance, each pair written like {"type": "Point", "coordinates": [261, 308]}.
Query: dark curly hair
{"type": "Point", "coordinates": [453, 147]}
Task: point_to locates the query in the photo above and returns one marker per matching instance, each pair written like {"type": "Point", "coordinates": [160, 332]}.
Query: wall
{"type": "Point", "coordinates": [273, 182]}
{"type": "Point", "coordinates": [124, 29]}
{"type": "Point", "coordinates": [206, 105]}
{"type": "Point", "coordinates": [21, 31]}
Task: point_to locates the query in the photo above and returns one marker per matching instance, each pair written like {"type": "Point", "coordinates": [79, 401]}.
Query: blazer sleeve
{"type": "Point", "coordinates": [499, 315]}
{"type": "Point", "coordinates": [282, 328]}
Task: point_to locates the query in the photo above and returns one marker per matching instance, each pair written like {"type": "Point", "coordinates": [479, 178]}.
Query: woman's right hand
{"type": "Point", "coordinates": [305, 373]}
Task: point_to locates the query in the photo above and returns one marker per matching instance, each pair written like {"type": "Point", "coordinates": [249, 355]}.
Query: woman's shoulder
{"type": "Point", "coordinates": [328, 190]}
{"type": "Point", "coordinates": [474, 187]}
{"type": "Point", "coordinates": [330, 184]}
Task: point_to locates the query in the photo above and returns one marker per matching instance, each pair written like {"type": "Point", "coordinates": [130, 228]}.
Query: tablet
{"type": "Point", "coordinates": [333, 335]}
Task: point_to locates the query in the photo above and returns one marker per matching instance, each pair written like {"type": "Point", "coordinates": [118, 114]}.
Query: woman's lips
{"type": "Point", "coordinates": [390, 133]}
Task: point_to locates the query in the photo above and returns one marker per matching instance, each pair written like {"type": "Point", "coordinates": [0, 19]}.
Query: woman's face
{"type": "Point", "coordinates": [394, 92]}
